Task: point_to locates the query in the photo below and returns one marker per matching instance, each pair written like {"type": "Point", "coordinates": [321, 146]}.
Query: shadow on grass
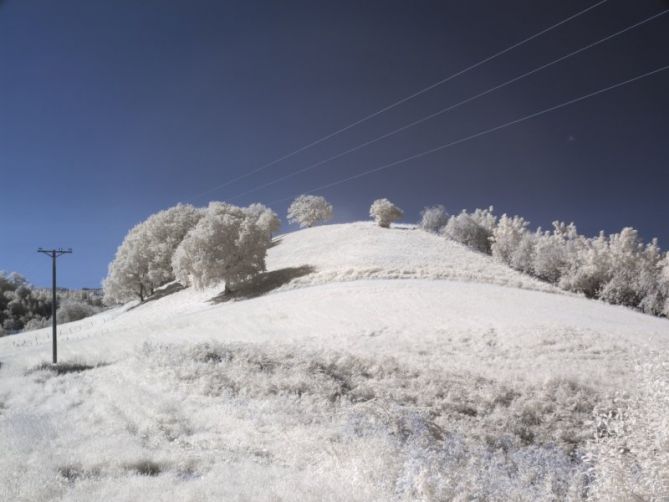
{"type": "Point", "coordinates": [275, 242]}
{"type": "Point", "coordinates": [175, 287]}
{"type": "Point", "coordinates": [264, 283]}
{"type": "Point", "coordinates": [63, 368]}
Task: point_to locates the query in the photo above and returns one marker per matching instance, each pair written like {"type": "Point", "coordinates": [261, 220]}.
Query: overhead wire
{"type": "Point", "coordinates": [481, 133]}
{"type": "Point", "coordinates": [401, 101]}
{"type": "Point", "coordinates": [449, 108]}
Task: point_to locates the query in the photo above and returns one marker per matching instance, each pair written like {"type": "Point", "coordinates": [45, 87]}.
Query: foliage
{"type": "Point", "coordinates": [264, 218]}
{"type": "Point", "coordinates": [308, 210]}
{"type": "Point", "coordinates": [24, 307]}
{"type": "Point", "coordinates": [617, 268]}
{"type": "Point", "coordinates": [629, 454]}
{"type": "Point", "coordinates": [385, 212]}
{"type": "Point", "coordinates": [433, 219]}
{"type": "Point", "coordinates": [226, 245]}
{"type": "Point", "coordinates": [143, 261]}
{"type": "Point", "coordinates": [472, 229]}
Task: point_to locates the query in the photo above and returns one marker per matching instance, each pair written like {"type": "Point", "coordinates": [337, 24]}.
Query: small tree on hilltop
{"type": "Point", "coordinates": [385, 212]}
{"type": "Point", "coordinates": [307, 210]}
{"type": "Point", "coordinates": [226, 245]}
{"type": "Point", "coordinates": [433, 219]}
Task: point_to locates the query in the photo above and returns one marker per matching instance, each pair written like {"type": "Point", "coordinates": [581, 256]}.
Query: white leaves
{"type": "Point", "coordinates": [226, 245]}
{"type": "Point", "coordinates": [307, 210]}
{"type": "Point", "coordinates": [143, 260]}
{"type": "Point", "coordinates": [472, 229]}
{"type": "Point", "coordinates": [385, 212]}
{"type": "Point", "coordinates": [229, 246]}
{"type": "Point", "coordinates": [433, 219]}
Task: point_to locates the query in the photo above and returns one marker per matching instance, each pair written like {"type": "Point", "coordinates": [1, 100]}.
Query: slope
{"type": "Point", "coordinates": [425, 388]}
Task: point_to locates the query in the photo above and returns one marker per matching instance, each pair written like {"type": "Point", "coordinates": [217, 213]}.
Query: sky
{"type": "Point", "coordinates": [111, 111]}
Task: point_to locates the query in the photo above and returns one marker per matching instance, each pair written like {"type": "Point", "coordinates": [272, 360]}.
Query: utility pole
{"type": "Point", "coordinates": [54, 253]}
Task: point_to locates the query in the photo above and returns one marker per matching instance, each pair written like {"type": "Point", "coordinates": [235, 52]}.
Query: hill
{"type": "Point", "coordinates": [366, 364]}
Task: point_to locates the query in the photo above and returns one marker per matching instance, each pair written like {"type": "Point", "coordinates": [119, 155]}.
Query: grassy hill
{"type": "Point", "coordinates": [366, 364]}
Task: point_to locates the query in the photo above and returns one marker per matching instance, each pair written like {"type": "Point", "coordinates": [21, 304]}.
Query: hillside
{"type": "Point", "coordinates": [366, 364]}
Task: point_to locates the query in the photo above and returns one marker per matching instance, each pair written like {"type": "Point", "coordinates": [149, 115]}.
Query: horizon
{"type": "Point", "coordinates": [111, 113]}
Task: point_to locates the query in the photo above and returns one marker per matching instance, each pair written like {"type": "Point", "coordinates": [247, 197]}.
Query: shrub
{"type": "Point", "coordinates": [472, 229]}
{"type": "Point", "coordinates": [307, 210]}
{"type": "Point", "coordinates": [507, 236]}
{"type": "Point", "coordinates": [629, 455]}
{"type": "Point", "coordinates": [73, 310]}
{"type": "Point", "coordinates": [385, 212]}
{"type": "Point", "coordinates": [433, 219]}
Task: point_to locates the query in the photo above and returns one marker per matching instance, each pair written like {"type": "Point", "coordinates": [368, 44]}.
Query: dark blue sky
{"type": "Point", "coordinates": [112, 110]}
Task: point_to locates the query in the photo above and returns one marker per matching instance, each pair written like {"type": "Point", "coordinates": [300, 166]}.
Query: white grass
{"type": "Point", "coordinates": [384, 389]}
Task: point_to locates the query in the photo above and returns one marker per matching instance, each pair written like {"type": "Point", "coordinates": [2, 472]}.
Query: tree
{"type": "Point", "coordinates": [143, 261]}
{"type": "Point", "coordinates": [385, 212]}
{"type": "Point", "coordinates": [626, 258]}
{"type": "Point", "coordinates": [554, 251]}
{"type": "Point", "coordinates": [433, 219]}
{"type": "Point", "coordinates": [472, 229]}
{"type": "Point", "coordinates": [663, 282]}
{"type": "Point", "coordinates": [587, 268]}
{"type": "Point", "coordinates": [307, 210]}
{"type": "Point", "coordinates": [226, 245]}
{"type": "Point", "coordinates": [507, 237]}
{"type": "Point", "coordinates": [264, 217]}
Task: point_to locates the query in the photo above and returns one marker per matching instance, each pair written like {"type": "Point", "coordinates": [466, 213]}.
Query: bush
{"type": "Point", "coordinates": [73, 310]}
{"type": "Point", "coordinates": [226, 245]}
{"type": "Point", "coordinates": [629, 456]}
{"type": "Point", "coordinates": [554, 252]}
{"type": "Point", "coordinates": [385, 212]}
{"type": "Point", "coordinates": [472, 229]}
{"type": "Point", "coordinates": [506, 238]}
{"type": "Point", "coordinates": [307, 210]}
{"type": "Point", "coordinates": [433, 219]}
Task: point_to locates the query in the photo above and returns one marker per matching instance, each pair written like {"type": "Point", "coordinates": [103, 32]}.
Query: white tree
{"type": "Point", "coordinates": [128, 273]}
{"type": "Point", "coordinates": [264, 217]}
{"type": "Point", "coordinates": [472, 229]}
{"type": "Point", "coordinates": [554, 251]}
{"type": "Point", "coordinates": [507, 237]}
{"type": "Point", "coordinates": [588, 267]}
{"type": "Point", "coordinates": [143, 261]}
{"type": "Point", "coordinates": [433, 219]}
{"type": "Point", "coordinates": [522, 258]}
{"type": "Point", "coordinates": [663, 281]}
{"type": "Point", "coordinates": [226, 245]}
{"type": "Point", "coordinates": [164, 232]}
{"type": "Point", "coordinates": [385, 212]}
{"type": "Point", "coordinates": [651, 288]}
{"type": "Point", "coordinates": [625, 251]}
{"type": "Point", "coordinates": [307, 210]}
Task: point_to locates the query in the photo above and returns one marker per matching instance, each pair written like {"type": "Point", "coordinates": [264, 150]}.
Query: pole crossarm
{"type": "Point", "coordinates": [54, 253]}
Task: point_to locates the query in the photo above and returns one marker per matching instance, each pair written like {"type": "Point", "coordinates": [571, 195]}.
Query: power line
{"type": "Point", "coordinates": [482, 133]}
{"type": "Point", "coordinates": [403, 100]}
{"type": "Point", "coordinates": [451, 107]}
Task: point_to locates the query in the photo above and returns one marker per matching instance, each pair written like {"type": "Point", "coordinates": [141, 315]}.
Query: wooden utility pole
{"type": "Point", "coordinates": [54, 253]}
